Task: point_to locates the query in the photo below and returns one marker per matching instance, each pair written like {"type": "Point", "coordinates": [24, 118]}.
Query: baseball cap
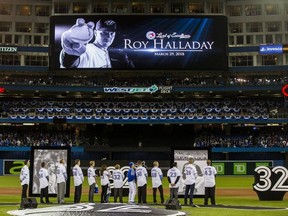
{"type": "Point", "coordinates": [106, 25]}
{"type": "Point", "coordinates": [131, 164]}
{"type": "Point", "coordinates": [190, 158]}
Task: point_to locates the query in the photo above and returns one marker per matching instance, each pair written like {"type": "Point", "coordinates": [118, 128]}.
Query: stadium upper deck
{"type": "Point", "coordinates": [25, 50]}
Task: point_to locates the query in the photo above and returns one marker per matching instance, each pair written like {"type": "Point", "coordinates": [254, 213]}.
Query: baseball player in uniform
{"type": "Point", "coordinates": [61, 181]}
{"type": "Point", "coordinates": [52, 187]}
{"type": "Point", "coordinates": [190, 175]}
{"type": "Point", "coordinates": [105, 175]}
{"type": "Point", "coordinates": [78, 180]}
{"type": "Point", "coordinates": [91, 173]}
{"type": "Point", "coordinates": [118, 178]}
{"type": "Point", "coordinates": [174, 176]}
{"type": "Point", "coordinates": [44, 182]}
{"type": "Point", "coordinates": [24, 179]}
{"type": "Point", "coordinates": [82, 47]}
{"type": "Point", "coordinates": [131, 175]}
{"type": "Point", "coordinates": [157, 176]}
{"type": "Point", "coordinates": [141, 176]}
{"type": "Point", "coordinates": [209, 182]}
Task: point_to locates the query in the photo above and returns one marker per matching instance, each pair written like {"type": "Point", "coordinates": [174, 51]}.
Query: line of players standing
{"type": "Point", "coordinates": [135, 175]}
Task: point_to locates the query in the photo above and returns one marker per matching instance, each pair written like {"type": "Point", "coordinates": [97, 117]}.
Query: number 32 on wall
{"type": "Point", "coordinates": [266, 182]}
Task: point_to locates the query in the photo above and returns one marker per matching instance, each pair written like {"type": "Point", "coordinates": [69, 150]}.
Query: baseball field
{"type": "Point", "coordinates": [234, 194]}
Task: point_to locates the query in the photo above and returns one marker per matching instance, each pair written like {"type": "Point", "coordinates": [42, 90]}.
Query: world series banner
{"type": "Point", "coordinates": [139, 42]}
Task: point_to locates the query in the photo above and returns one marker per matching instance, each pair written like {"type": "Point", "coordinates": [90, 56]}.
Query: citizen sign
{"type": "Point", "coordinates": [8, 49]}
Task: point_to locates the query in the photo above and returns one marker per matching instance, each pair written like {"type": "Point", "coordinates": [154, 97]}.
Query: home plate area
{"type": "Point", "coordinates": [110, 209]}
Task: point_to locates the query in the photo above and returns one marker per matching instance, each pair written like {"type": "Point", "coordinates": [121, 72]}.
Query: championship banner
{"type": "Point", "coordinates": [139, 42]}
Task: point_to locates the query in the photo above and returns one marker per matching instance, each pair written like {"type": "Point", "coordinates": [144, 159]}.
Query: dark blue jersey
{"type": "Point", "coordinates": [131, 175]}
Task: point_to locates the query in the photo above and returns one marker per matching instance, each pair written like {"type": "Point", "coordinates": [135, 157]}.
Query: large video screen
{"type": "Point", "coordinates": [51, 156]}
{"type": "Point", "coordinates": [200, 156]}
{"type": "Point", "coordinates": [138, 42]}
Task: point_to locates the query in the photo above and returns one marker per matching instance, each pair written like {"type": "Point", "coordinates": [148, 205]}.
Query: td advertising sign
{"type": "Point", "coordinates": [239, 167]}
{"type": "Point", "coordinates": [139, 42]}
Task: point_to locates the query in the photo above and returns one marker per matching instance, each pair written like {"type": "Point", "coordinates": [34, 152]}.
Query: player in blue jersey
{"type": "Point", "coordinates": [132, 183]}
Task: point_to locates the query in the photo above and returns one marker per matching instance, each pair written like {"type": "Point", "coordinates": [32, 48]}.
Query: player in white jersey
{"type": "Point", "coordinates": [173, 176]}
{"type": "Point", "coordinates": [78, 180]}
{"type": "Point", "coordinates": [141, 177]}
{"type": "Point", "coordinates": [157, 176]}
{"type": "Point", "coordinates": [52, 187]}
{"type": "Point", "coordinates": [190, 175]}
{"type": "Point", "coordinates": [44, 182]}
{"type": "Point", "coordinates": [105, 175]}
{"type": "Point", "coordinates": [209, 182]}
{"type": "Point", "coordinates": [61, 181]}
{"type": "Point", "coordinates": [91, 174]}
{"type": "Point", "coordinates": [24, 179]}
{"type": "Point", "coordinates": [85, 48]}
{"type": "Point", "coordinates": [118, 178]}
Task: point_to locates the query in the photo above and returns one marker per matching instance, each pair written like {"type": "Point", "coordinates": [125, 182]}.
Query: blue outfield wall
{"type": "Point", "coordinates": [228, 156]}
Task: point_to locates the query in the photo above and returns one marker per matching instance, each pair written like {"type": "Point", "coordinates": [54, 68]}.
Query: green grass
{"type": "Point", "coordinates": [223, 182]}
{"type": "Point", "coordinates": [234, 181]}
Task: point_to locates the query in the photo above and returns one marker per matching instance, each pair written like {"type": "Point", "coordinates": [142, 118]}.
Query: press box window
{"type": "Point", "coordinates": [100, 8]}
{"type": "Point", "coordinates": [236, 28]}
{"type": "Point", "coordinates": [235, 10]}
{"type": "Point", "coordinates": [119, 7]}
{"type": "Point", "coordinates": [254, 27]}
{"type": "Point", "coordinates": [269, 38]}
{"type": "Point", "coordinates": [177, 7]}
{"type": "Point", "coordinates": [215, 7]}
{"type": "Point", "coordinates": [9, 59]}
{"type": "Point", "coordinates": [273, 26]}
{"type": "Point", "coordinates": [269, 60]}
{"type": "Point", "coordinates": [157, 8]}
{"type": "Point", "coordinates": [253, 10]}
{"type": "Point", "coordinates": [23, 10]}
{"type": "Point", "coordinates": [138, 7]}
{"type": "Point", "coordinates": [5, 26]}
{"type": "Point", "coordinates": [80, 7]}
{"type": "Point", "coordinates": [61, 7]}
{"type": "Point", "coordinates": [241, 61]}
{"type": "Point", "coordinates": [42, 10]}
{"type": "Point", "coordinates": [23, 27]}
{"type": "Point", "coordinates": [272, 9]}
{"type": "Point", "coordinates": [196, 8]}
{"type": "Point", "coordinates": [37, 39]}
{"type": "Point", "coordinates": [41, 27]}
{"type": "Point", "coordinates": [5, 9]}
{"type": "Point", "coordinates": [36, 60]}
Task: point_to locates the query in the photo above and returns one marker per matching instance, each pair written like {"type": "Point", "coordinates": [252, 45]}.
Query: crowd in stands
{"type": "Point", "coordinates": [169, 109]}
{"type": "Point", "coordinates": [32, 136]}
{"type": "Point", "coordinates": [260, 139]}
{"type": "Point", "coordinates": [143, 81]}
